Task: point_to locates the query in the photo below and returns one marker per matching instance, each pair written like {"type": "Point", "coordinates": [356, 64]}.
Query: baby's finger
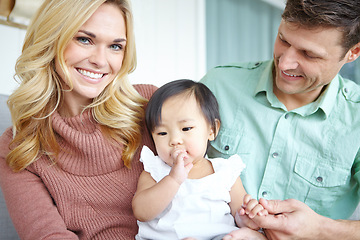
{"type": "Point", "coordinates": [263, 212]}
{"type": "Point", "coordinates": [256, 210]}
{"type": "Point", "coordinates": [177, 155]}
{"type": "Point", "coordinates": [188, 167]}
{"type": "Point", "coordinates": [250, 205]}
{"type": "Point", "coordinates": [247, 198]}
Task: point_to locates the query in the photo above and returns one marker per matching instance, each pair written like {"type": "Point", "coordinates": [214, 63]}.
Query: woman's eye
{"type": "Point", "coordinates": [116, 47]}
{"type": "Point", "coordinates": [83, 40]}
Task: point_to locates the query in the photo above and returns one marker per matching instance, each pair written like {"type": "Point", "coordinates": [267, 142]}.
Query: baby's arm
{"type": "Point", "coordinates": [243, 203]}
{"type": "Point", "coordinates": [240, 201]}
{"type": "Point", "coordinates": [152, 198]}
{"type": "Point", "coordinates": [237, 194]}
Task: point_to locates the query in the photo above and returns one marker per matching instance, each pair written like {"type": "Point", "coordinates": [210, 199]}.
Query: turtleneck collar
{"type": "Point", "coordinates": [85, 150]}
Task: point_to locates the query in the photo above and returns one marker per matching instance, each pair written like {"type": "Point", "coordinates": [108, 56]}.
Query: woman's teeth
{"type": "Point", "coordinates": [90, 74]}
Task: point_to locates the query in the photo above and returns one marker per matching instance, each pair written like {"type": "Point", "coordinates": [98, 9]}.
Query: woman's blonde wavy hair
{"type": "Point", "coordinates": [118, 108]}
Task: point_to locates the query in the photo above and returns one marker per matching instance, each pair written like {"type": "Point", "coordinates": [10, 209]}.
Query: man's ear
{"type": "Point", "coordinates": [354, 53]}
{"type": "Point", "coordinates": [214, 132]}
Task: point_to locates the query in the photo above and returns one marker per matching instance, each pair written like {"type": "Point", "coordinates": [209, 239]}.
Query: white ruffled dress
{"type": "Point", "coordinates": [200, 208]}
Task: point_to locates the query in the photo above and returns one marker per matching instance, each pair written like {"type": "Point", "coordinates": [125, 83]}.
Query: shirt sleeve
{"type": "Point", "coordinates": [228, 169]}
{"type": "Point", "coordinates": [157, 168]}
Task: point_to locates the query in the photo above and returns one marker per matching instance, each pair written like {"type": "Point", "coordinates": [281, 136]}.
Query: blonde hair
{"type": "Point", "coordinates": [118, 108]}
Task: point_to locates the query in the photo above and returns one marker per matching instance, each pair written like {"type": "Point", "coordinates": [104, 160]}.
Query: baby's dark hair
{"type": "Point", "coordinates": [203, 95]}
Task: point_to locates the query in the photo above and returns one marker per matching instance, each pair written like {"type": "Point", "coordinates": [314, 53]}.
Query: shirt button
{"type": "Point", "coordinates": [264, 193]}
{"type": "Point", "coordinates": [227, 147]}
{"type": "Point", "coordinates": [319, 179]}
{"type": "Point", "coordinates": [275, 155]}
{"type": "Point", "coordinates": [287, 116]}
{"type": "Point", "coordinates": [345, 90]}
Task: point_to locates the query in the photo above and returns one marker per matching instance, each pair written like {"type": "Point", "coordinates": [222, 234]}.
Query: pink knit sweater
{"type": "Point", "coordinates": [86, 195]}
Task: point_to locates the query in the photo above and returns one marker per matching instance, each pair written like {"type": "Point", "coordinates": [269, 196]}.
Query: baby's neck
{"type": "Point", "coordinates": [201, 168]}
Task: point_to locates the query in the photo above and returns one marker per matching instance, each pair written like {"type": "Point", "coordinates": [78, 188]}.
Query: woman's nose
{"type": "Point", "coordinates": [98, 57]}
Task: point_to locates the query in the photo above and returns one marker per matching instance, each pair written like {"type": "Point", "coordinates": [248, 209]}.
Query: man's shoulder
{"type": "Point", "coordinates": [244, 65]}
{"type": "Point", "coordinates": [350, 90]}
{"type": "Point", "coordinates": [237, 72]}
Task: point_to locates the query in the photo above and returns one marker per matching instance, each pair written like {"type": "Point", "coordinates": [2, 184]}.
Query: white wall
{"type": "Point", "coordinates": [170, 38]}
{"type": "Point", "coordinates": [10, 48]}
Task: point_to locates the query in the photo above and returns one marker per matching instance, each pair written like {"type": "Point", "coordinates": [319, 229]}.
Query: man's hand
{"type": "Point", "coordinates": [290, 219]}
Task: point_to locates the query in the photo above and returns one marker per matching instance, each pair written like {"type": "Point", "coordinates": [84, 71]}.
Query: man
{"type": "Point", "coordinates": [296, 123]}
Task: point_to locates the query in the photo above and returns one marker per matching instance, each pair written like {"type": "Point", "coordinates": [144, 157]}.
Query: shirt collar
{"type": "Point", "coordinates": [327, 99]}
{"type": "Point", "coordinates": [325, 102]}
{"type": "Point", "coordinates": [265, 81]}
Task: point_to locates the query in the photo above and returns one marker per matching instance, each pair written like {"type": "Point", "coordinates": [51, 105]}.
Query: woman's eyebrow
{"type": "Point", "coordinates": [90, 34]}
{"type": "Point", "coordinates": [120, 40]}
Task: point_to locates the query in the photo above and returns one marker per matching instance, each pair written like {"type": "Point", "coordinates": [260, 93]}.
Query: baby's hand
{"type": "Point", "coordinates": [252, 207]}
{"type": "Point", "coordinates": [181, 166]}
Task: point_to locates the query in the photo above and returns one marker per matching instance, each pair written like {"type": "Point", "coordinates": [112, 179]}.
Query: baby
{"type": "Point", "coordinates": [181, 193]}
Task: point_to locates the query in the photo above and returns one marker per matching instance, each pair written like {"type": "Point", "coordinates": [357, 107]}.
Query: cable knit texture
{"type": "Point", "coordinates": [86, 195]}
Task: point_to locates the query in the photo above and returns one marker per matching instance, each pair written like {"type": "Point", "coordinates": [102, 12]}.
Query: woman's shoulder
{"type": "Point", "coordinates": [5, 140]}
{"type": "Point", "coordinates": [145, 90]}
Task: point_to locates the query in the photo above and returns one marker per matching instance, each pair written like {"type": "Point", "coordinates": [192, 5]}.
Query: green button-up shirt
{"type": "Point", "coordinates": [311, 153]}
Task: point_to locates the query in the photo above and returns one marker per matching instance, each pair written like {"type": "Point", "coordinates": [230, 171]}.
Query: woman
{"type": "Point", "coordinates": [69, 166]}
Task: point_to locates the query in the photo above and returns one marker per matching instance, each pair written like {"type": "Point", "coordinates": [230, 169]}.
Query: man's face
{"type": "Point", "coordinates": [305, 61]}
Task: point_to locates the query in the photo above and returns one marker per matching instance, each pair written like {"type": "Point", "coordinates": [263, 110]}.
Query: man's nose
{"type": "Point", "coordinates": [289, 59]}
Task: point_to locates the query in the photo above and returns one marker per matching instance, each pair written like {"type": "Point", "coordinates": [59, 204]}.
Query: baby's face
{"type": "Point", "coordinates": [183, 127]}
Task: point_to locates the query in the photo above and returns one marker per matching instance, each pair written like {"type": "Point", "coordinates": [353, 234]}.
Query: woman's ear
{"type": "Point", "coordinates": [214, 132]}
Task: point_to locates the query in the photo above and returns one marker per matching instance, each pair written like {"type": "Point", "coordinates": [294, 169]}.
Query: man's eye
{"type": "Point", "coordinates": [283, 41]}
{"type": "Point", "coordinates": [309, 55]}
{"type": "Point", "coordinates": [185, 129]}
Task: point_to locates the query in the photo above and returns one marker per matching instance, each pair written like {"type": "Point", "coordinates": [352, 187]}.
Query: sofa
{"type": "Point", "coordinates": [7, 230]}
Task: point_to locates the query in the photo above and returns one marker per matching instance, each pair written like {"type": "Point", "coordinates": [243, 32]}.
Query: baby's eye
{"type": "Point", "coordinates": [161, 133]}
{"type": "Point", "coordinates": [185, 129]}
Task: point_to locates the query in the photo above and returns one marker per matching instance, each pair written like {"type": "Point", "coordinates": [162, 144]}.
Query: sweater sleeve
{"type": "Point", "coordinates": [30, 205]}
{"type": "Point", "coordinates": [145, 90]}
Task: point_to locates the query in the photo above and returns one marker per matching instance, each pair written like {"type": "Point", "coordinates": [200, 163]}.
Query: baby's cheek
{"type": "Point", "coordinates": [166, 158]}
